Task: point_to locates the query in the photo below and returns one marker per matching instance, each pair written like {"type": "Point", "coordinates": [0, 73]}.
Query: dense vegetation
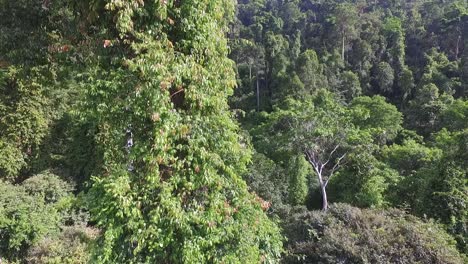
{"type": "Point", "coordinates": [210, 131]}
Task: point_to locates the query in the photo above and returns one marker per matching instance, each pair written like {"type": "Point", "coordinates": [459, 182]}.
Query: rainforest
{"type": "Point", "coordinates": [222, 131]}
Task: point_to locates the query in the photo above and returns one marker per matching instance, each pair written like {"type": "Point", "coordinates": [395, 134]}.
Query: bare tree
{"type": "Point", "coordinates": [321, 133]}
{"type": "Point", "coordinates": [325, 164]}
{"type": "Point", "coordinates": [319, 128]}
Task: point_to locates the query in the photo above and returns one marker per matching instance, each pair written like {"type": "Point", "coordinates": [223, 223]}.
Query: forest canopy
{"type": "Point", "coordinates": [216, 131]}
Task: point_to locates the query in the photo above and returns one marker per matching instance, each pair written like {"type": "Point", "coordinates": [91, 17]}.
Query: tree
{"type": "Point", "coordinates": [23, 103]}
{"type": "Point", "coordinates": [424, 110]}
{"type": "Point", "coordinates": [317, 128]}
{"type": "Point", "coordinates": [277, 62]}
{"type": "Point", "coordinates": [446, 192]}
{"type": "Point", "coordinates": [346, 19]}
{"type": "Point", "coordinates": [442, 72]}
{"type": "Point", "coordinates": [433, 181]}
{"type": "Point", "coordinates": [323, 140]}
{"type": "Point", "coordinates": [298, 181]}
{"type": "Point", "coordinates": [374, 114]}
{"type": "Point", "coordinates": [349, 86]}
{"type": "Point", "coordinates": [34, 81]}
{"type": "Point", "coordinates": [453, 22]}
{"type": "Point", "coordinates": [23, 22]}
{"type": "Point", "coordinates": [394, 32]}
{"type": "Point", "coordinates": [455, 116]}
{"type": "Point", "coordinates": [406, 83]}
{"type": "Point", "coordinates": [169, 189]}
{"type": "Point", "coordinates": [409, 159]}
{"type": "Point", "coordinates": [310, 71]}
{"type": "Point", "coordinates": [364, 181]}
{"type": "Point", "coordinates": [25, 118]}
{"type": "Point", "coordinates": [250, 61]}
{"type": "Point", "coordinates": [385, 77]}
{"type": "Point", "coordinates": [269, 181]}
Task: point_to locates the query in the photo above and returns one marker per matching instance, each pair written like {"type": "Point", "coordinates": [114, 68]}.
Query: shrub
{"type": "Point", "coordinates": [31, 211]}
{"type": "Point", "coordinates": [23, 220]}
{"type": "Point", "coordinates": [48, 186]}
{"type": "Point", "coordinates": [69, 247]}
{"type": "Point", "coordinates": [345, 234]}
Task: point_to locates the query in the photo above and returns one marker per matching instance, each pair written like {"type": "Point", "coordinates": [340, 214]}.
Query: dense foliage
{"type": "Point", "coordinates": [169, 189]}
{"type": "Point", "coordinates": [210, 131]}
{"type": "Point", "coordinates": [345, 234]}
{"type": "Point", "coordinates": [371, 93]}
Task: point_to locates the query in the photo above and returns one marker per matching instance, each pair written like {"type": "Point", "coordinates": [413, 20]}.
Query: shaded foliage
{"type": "Point", "coordinates": [346, 234]}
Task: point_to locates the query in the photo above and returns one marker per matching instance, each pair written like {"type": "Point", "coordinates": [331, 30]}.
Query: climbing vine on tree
{"type": "Point", "coordinates": [169, 190]}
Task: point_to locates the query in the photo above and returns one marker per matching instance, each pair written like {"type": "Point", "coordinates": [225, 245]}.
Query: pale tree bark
{"type": "Point", "coordinates": [258, 95]}
{"type": "Point", "coordinates": [323, 191]}
{"type": "Point", "coordinates": [457, 48]}
{"type": "Point", "coordinates": [343, 42]}
{"type": "Point", "coordinates": [324, 169]}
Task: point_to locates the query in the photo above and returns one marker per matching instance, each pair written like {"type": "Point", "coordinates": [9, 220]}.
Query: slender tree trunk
{"type": "Point", "coordinates": [258, 95]}
{"type": "Point", "coordinates": [267, 79]}
{"type": "Point", "coordinates": [457, 48]}
{"type": "Point", "coordinates": [343, 39]}
{"type": "Point", "coordinates": [324, 198]}
{"type": "Point", "coordinates": [323, 190]}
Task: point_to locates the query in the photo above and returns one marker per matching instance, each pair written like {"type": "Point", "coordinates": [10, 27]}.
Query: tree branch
{"type": "Point", "coordinates": [331, 154]}
{"type": "Point", "coordinates": [314, 164]}
{"type": "Point", "coordinates": [337, 165]}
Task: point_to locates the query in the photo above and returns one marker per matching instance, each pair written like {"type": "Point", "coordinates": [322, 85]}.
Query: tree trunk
{"type": "Point", "coordinates": [343, 46]}
{"type": "Point", "coordinates": [258, 95]}
{"type": "Point", "coordinates": [324, 198]}
{"type": "Point", "coordinates": [457, 48]}
{"type": "Point", "coordinates": [323, 190]}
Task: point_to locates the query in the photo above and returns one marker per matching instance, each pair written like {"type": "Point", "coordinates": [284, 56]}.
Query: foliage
{"type": "Point", "coordinates": [385, 77]}
{"type": "Point", "coordinates": [408, 159]}
{"type": "Point", "coordinates": [445, 195]}
{"type": "Point", "coordinates": [48, 187]}
{"type": "Point", "coordinates": [70, 246]}
{"type": "Point", "coordinates": [425, 109]}
{"type": "Point", "coordinates": [269, 181]}
{"type": "Point", "coordinates": [22, 22]}
{"type": "Point", "coordinates": [30, 211]}
{"type": "Point", "coordinates": [346, 234]}
{"type": "Point", "coordinates": [24, 121]}
{"type": "Point", "coordinates": [364, 181]}
{"type": "Point", "coordinates": [361, 102]}
{"type": "Point", "coordinates": [455, 116]}
{"type": "Point", "coordinates": [169, 188]}
{"type": "Point", "coordinates": [349, 86]}
{"type": "Point", "coordinates": [310, 71]}
{"type": "Point", "coordinates": [381, 119]}
{"type": "Point", "coordinates": [298, 180]}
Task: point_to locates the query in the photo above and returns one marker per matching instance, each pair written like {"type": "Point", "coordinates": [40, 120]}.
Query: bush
{"type": "Point", "coordinates": [345, 234]}
{"type": "Point", "coordinates": [69, 247]}
{"type": "Point", "coordinates": [48, 186]}
{"type": "Point", "coordinates": [31, 211]}
{"type": "Point", "coordinates": [23, 220]}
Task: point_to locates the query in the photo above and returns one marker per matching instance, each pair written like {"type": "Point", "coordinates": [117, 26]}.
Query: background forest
{"type": "Point", "coordinates": [123, 140]}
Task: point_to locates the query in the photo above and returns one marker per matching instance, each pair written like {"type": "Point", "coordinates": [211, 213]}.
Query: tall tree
{"type": "Point", "coordinates": [34, 92]}
{"type": "Point", "coordinates": [310, 71]}
{"type": "Point", "coordinates": [346, 19]}
{"type": "Point", "coordinates": [317, 128]}
{"type": "Point", "coordinates": [424, 110]}
{"type": "Point", "coordinates": [169, 190]}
